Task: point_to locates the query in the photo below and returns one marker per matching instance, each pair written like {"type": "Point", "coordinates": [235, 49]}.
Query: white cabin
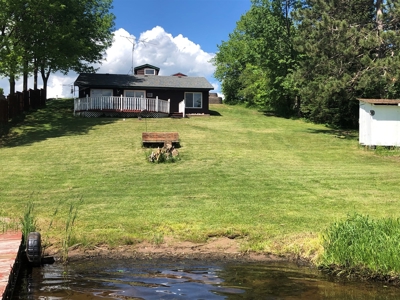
{"type": "Point", "coordinates": [379, 122]}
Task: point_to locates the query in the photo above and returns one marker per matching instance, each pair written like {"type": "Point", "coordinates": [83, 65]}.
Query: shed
{"type": "Point", "coordinates": [379, 122]}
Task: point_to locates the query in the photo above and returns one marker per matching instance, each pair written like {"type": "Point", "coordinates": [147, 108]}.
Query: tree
{"type": "Point", "coordinates": [57, 35]}
{"type": "Point", "coordinates": [10, 47]}
{"type": "Point", "coordinates": [350, 50]}
{"type": "Point", "coordinates": [260, 44]}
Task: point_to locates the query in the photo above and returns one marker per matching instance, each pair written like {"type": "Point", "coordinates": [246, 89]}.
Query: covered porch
{"type": "Point", "coordinates": [111, 106]}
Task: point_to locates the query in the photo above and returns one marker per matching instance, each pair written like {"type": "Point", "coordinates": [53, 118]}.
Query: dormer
{"type": "Point", "coordinates": [146, 70]}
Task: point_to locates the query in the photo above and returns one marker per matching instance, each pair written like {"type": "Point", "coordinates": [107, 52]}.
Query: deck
{"type": "Point", "coordinates": [9, 263]}
{"type": "Point", "coordinates": [121, 107]}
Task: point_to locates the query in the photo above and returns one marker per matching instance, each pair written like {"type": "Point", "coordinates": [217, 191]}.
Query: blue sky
{"type": "Point", "coordinates": [174, 35]}
{"type": "Point", "coordinates": [204, 22]}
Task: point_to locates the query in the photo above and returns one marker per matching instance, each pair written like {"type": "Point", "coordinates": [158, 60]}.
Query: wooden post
{"type": "Point", "coordinates": [87, 102]}
{"type": "Point", "coordinates": [169, 106]}
{"type": "Point", "coordinates": [156, 103]}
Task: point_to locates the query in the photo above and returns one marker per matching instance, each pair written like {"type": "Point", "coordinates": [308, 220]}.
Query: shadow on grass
{"type": "Point", "coordinates": [271, 113]}
{"type": "Point", "coordinates": [55, 120]}
{"type": "Point", "coordinates": [338, 133]}
{"type": "Point", "coordinates": [214, 113]}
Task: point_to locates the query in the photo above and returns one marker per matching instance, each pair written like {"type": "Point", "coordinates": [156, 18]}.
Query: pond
{"type": "Point", "coordinates": [190, 279]}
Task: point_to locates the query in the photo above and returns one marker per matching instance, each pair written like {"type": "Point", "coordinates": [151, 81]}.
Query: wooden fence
{"type": "Point", "coordinates": [14, 105]}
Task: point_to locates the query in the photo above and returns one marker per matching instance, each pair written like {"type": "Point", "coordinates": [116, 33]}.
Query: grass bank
{"type": "Point", "coordinates": [274, 184]}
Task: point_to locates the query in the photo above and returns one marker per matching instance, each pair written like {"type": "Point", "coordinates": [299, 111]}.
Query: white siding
{"type": "Point", "coordinates": [381, 128]}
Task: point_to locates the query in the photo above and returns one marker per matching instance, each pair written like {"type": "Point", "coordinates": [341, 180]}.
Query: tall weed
{"type": "Point", "coordinates": [28, 221]}
{"type": "Point", "coordinates": [69, 225]}
{"type": "Point", "coordinates": [360, 242]}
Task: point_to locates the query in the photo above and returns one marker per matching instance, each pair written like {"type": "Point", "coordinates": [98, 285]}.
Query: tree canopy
{"type": "Point", "coordinates": [46, 36]}
{"type": "Point", "coordinates": [315, 61]}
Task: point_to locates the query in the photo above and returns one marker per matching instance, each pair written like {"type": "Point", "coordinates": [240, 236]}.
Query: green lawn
{"type": "Point", "coordinates": [275, 183]}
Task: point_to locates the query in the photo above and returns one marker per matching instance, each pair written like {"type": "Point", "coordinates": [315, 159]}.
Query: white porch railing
{"type": "Point", "coordinates": [121, 104]}
{"type": "Point", "coordinates": [182, 106]}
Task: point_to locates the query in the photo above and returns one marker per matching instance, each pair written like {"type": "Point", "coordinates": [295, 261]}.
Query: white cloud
{"type": "Point", "coordinates": [155, 47]}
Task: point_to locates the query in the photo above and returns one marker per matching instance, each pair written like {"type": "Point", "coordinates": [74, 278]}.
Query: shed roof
{"type": "Point", "coordinates": [141, 81]}
{"type": "Point", "coordinates": [381, 101]}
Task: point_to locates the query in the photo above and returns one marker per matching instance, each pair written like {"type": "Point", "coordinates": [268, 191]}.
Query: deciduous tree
{"type": "Point", "coordinates": [47, 36]}
{"type": "Point", "coordinates": [261, 45]}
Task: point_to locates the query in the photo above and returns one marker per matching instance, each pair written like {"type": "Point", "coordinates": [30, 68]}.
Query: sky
{"type": "Point", "coordinates": [174, 35]}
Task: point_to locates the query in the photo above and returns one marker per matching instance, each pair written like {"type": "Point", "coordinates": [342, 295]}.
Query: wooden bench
{"type": "Point", "coordinates": [160, 137]}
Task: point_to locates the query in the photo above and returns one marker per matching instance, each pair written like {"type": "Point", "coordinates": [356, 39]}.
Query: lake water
{"type": "Point", "coordinates": [190, 279]}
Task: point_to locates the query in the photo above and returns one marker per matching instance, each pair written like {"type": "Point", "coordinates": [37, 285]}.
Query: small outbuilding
{"type": "Point", "coordinates": [379, 122]}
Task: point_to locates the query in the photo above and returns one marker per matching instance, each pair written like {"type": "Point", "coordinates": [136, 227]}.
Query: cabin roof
{"type": "Point", "coordinates": [141, 81]}
{"type": "Point", "coordinates": [146, 66]}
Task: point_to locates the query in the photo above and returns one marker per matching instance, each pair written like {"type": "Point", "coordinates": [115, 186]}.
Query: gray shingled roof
{"type": "Point", "coordinates": [141, 81]}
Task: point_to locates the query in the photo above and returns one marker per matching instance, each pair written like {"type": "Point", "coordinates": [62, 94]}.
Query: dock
{"type": "Point", "coordinates": [10, 244]}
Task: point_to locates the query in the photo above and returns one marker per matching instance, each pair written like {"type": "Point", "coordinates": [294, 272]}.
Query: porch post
{"type": "Point", "coordinates": [184, 108]}
{"type": "Point", "coordinates": [87, 102]}
{"type": "Point", "coordinates": [169, 106]}
{"type": "Point", "coordinates": [122, 103]}
{"type": "Point", "coordinates": [156, 103]}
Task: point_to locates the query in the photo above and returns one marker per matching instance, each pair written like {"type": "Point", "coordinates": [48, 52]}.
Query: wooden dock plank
{"type": "Point", "coordinates": [9, 247]}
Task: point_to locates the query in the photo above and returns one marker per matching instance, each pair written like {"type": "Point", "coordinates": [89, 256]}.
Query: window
{"type": "Point", "coordinates": [149, 95]}
{"type": "Point", "coordinates": [194, 100]}
{"type": "Point", "coordinates": [149, 72]}
{"type": "Point", "coordinates": [135, 94]}
{"type": "Point", "coordinates": [101, 93]}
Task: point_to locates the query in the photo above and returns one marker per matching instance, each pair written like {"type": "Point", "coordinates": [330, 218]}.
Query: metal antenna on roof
{"type": "Point", "coordinates": [132, 40]}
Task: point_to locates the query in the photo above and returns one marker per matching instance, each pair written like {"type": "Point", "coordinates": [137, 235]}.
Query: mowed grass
{"type": "Point", "coordinates": [273, 183]}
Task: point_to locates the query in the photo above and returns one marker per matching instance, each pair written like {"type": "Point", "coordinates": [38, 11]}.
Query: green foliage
{"type": "Point", "coordinates": [360, 242]}
{"type": "Point", "coordinates": [47, 36]}
{"type": "Point", "coordinates": [350, 51]}
{"type": "Point", "coordinates": [28, 221]}
{"type": "Point", "coordinates": [254, 63]}
{"type": "Point", "coordinates": [315, 62]}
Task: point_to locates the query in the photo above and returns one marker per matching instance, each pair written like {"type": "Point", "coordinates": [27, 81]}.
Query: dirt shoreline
{"type": "Point", "coordinates": [221, 249]}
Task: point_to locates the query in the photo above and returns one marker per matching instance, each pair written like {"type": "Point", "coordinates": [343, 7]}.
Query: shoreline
{"type": "Point", "coordinates": [221, 248]}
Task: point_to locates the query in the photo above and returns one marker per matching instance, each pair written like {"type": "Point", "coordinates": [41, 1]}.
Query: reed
{"type": "Point", "coordinates": [69, 226]}
{"type": "Point", "coordinates": [361, 243]}
{"type": "Point", "coordinates": [28, 221]}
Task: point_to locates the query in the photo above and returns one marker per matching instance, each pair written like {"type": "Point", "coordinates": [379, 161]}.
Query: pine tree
{"type": "Point", "coordinates": [350, 50]}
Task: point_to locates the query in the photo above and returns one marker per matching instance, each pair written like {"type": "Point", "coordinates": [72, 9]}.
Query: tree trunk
{"type": "Point", "coordinates": [379, 26]}
{"type": "Point", "coordinates": [35, 74]}
{"type": "Point", "coordinates": [45, 78]}
{"type": "Point", "coordinates": [25, 82]}
{"type": "Point", "coordinates": [12, 84]}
